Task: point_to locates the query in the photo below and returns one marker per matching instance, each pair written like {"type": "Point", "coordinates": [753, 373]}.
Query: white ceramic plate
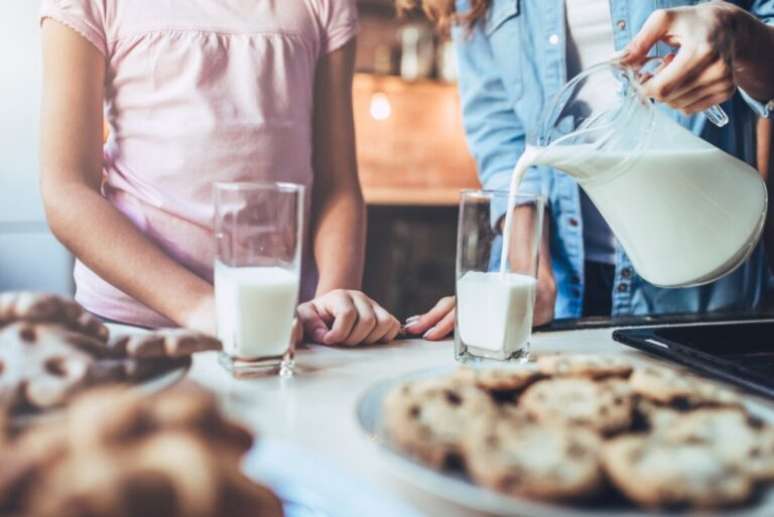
{"type": "Point", "coordinates": [460, 490]}
{"type": "Point", "coordinates": [151, 385]}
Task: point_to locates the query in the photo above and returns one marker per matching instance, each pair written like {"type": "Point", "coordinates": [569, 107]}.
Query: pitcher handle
{"type": "Point", "coordinates": [714, 114]}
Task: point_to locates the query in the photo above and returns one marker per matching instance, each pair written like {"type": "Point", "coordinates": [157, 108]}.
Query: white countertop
{"type": "Point", "coordinates": [315, 410]}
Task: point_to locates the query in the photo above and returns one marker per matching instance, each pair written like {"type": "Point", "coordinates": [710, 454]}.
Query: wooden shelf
{"type": "Point", "coordinates": [417, 155]}
{"type": "Point", "coordinates": [411, 197]}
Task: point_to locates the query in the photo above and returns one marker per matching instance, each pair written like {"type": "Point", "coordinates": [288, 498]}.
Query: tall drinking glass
{"type": "Point", "coordinates": [496, 275]}
{"type": "Point", "coordinates": [258, 233]}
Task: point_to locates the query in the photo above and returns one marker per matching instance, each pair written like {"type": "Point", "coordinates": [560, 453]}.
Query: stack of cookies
{"type": "Point", "coordinates": [51, 348]}
{"type": "Point", "coordinates": [117, 453]}
{"type": "Point", "coordinates": [587, 428]}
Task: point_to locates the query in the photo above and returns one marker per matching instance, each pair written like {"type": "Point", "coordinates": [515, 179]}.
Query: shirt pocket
{"type": "Point", "coordinates": [503, 29]}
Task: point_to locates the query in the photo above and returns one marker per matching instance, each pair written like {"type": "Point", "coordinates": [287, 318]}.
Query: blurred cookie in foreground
{"type": "Point", "coordinates": [119, 453]}
{"type": "Point", "coordinates": [49, 308]}
{"type": "Point", "coordinates": [51, 349]}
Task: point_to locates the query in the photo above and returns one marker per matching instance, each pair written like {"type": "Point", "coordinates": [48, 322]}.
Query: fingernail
{"type": "Point", "coordinates": [430, 331]}
{"type": "Point", "coordinates": [411, 320]}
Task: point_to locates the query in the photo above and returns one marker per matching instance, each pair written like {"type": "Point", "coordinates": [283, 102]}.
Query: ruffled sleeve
{"type": "Point", "coordinates": [86, 17]}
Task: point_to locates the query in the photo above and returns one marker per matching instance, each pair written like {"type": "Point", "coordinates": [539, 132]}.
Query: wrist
{"type": "Point", "coordinates": [742, 29]}
{"type": "Point", "coordinates": [328, 283]}
{"type": "Point", "coordinates": [545, 274]}
{"type": "Point", "coordinates": [752, 48]}
{"type": "Point", "coordinates": [198, 312]}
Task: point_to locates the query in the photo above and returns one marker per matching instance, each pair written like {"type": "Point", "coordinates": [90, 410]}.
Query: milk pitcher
{"type": "Point", "coordinates": [685, 212]}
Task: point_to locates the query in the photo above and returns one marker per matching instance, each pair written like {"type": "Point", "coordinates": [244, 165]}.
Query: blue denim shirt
{"type": "Point", "coordinates": [510, 67]}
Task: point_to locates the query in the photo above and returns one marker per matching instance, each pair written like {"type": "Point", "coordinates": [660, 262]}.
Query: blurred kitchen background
{"type": "Point", "coordinates": [411, 149]}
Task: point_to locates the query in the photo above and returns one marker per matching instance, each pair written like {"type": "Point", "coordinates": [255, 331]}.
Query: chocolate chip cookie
{"type": "Point", "coordinates": [171, 343]}
{"type": "Point", "coordinates": [520, 457]}
{"type": "Point", "coordinates": [605, 407]}
{"type": "Point", "coordinates": [656, 473]}
{"type": "Point", "coordinates": [679, 388]}
{"type": "Point", "coordinates": [584, 365]}
{"type": "Point", "coordinates": [428, 419]}
{"type": "Point", "coordinates": [500, 379]}
{"type": "Point", "coordinates": [39, 366]}
{"type": "Point", "coordinates": [731, 434]}
{"type": "Point", "coordinates": [49, 308]}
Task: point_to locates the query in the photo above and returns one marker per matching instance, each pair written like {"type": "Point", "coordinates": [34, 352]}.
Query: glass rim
{"type": "Point", "coordinates": [504, 192]}
{"type": "Point", "coordinates": [282, 186]}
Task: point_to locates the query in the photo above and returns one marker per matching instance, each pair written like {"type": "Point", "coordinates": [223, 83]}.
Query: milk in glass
{"type": "Point", "coordinates": [495, 310]}
{"type": "Point", "coordinates": [255, 308]}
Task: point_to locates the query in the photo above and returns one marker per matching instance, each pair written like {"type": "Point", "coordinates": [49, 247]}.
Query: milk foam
{"type": "Point", "coordinates": [255, 308]}
{"type": "Point", "coordinates": [495, 310]}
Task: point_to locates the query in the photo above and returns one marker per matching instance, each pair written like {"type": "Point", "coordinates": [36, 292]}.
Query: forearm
{"type": "Point", "coordinates": [339, 240]}
{"type": "Point", "coordinates": [764, 136]}
{"type": "Point", "coordinates": [107, 242]}
{"type": "Point", "coordinates": [753, 53]}
{"type": "Point", "coordinates": [545, 269]}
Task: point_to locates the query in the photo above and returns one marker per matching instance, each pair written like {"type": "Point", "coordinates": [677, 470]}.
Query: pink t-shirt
{"type": "Point", "coordinates": [200, 91]}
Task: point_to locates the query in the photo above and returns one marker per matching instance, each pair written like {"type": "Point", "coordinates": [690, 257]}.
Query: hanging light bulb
{"type": "Point", "coordinates": [380, 107]}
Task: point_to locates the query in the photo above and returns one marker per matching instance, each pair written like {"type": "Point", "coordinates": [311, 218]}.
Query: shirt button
{"type": "Point", "coordinates": [572, 221]}
{"type": "Point", "coordinates": [621, 24]}
{"type": "Point", "coordinates": [553, 39]}
{"type": "Point", "coordinates": [622, 288]}
{"type": "Point", "coordinates": [626, 272]}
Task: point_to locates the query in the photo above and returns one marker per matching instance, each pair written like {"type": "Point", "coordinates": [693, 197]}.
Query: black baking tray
{"type": "Point", "coordinates": [738, 352]}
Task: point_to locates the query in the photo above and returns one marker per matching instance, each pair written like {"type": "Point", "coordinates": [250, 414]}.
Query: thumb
{"type": "Point", "coordinates": [653, 30]}
{"type": "Point", "coordinates": [313, 322]}
{"type": "Point", "coordinates": [297, 335]}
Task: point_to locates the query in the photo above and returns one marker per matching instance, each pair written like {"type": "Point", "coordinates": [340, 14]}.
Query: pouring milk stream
{"type": "Point", "coordinates": [685, 212]}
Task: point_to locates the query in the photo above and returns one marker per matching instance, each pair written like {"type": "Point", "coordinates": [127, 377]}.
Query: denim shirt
{"type": "Point", "coordinates": [510, 67]}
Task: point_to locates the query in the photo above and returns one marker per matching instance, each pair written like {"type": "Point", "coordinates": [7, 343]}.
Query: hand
{"type": "Point", "coordinates": [701, 73]}
{"type": "Point", "coordinates": [202, 317]}
{"type": "Point", "coordinates": [435, 324]}
{"type": "Point", "coordinates": [349, 318]}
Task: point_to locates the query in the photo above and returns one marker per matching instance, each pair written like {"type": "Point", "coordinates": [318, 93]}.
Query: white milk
{"type": "Point", "coordinates": [255, 308]}
{"type": "Point", "coordinates": [494, 310]}
{"type": "Point", "coordinates": [685, 211]}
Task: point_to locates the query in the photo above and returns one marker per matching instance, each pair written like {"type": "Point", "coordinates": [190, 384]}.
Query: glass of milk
{"type": "Point", "coordinates": [498, 239]}
{"type": "Point", "coordinates": [258, 234]}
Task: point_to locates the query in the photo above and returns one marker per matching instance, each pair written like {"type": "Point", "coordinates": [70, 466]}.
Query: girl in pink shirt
{"type": "Point", "coordinates": [196, 92]}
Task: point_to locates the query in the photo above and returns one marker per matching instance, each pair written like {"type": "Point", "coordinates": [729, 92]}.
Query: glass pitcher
{"type": "Point", "coordinates": [685, 212]}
